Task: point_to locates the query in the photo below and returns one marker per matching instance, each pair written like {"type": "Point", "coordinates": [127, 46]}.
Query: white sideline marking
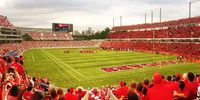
{"type": "Point", "coordinates": [32, 57]}
{"type": "Point", "coordinates": [66, 65]}
{"type": "Point", "coordinates": [61, 66]}
{"type": "Point", "coordinates": [57, 68]}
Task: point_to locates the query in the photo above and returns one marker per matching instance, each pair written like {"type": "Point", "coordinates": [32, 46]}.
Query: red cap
{"type": "Point", "coordinates": [178, 75]}
{"type": "Point", "coordinates": [121, 83]}
{"type": "Point", "coordinates": [71, 90]}
{"type": "Point", "coordinates": [157, 78]}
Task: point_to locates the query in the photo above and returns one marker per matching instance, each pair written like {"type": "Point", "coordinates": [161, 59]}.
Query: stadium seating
{"type": "Point", "coordinates": [182, 28]}
{"type": "Point", "coordinates": [4, 23]}
{"type": "Point", "coordinates": [48, 44]}
{"type": "Point", "coordinates": [181, 32]}
{"type": "Point", "coordinates": [186, 21]}
{"type": "Point", "coordinates": [50, 36]}
{"type": "Point", "coordinates": [188, 50]}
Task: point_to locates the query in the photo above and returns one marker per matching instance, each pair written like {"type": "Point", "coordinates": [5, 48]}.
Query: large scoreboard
{"type": "Point", "coordinates": [61, 27]}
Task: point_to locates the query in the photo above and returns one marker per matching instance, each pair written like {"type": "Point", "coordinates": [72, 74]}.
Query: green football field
{"type": "Point", "coordinates": [82, 69]}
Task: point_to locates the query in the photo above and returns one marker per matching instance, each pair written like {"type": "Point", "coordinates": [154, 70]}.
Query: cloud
{"type": "Point", "coordinates": [97, 14]}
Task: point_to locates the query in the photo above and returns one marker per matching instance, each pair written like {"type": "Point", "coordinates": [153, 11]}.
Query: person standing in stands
{"type": "Point", "coordinates": [132, 95]}
{"type": "Point", "coordinates": [70, 96]}
{"type": "Point", "coordinates": [122, 91]}
{"type": "Point", "coordinates": [60, 93]}
{"type": "Point", "coordinates": [159, 91]}
{"type": "Point", "coordinates": [192, 86]}
{"type": "Point", "coordinates": [27, 95]}
{"type": "Point", "coordinates": [181, 93]}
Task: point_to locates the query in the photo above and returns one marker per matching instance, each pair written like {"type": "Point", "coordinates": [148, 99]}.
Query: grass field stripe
{"type": "Point", "coordinates": [114, 58]}
{"type": "Point", "coordinates": [58, 68]}
{"type": "Point", "coordinates": [60, 65]}
{"type": "Point", "coordinates": [66, 65]}
{"type": "Point", "coordinates": [104, 56]}
{"type": "Point", "coordinates": [89, 65]}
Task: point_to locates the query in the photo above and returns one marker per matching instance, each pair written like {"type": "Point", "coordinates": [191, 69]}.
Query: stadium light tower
{"type": "Point", "coordinates": [190, 6]}
{"type": "Point", "coordinates": [145, 18]}
{"type": "Point", "coordinates": [120, 20]}
{"type": "Point", "coordinates": [160, 14]}
{"type": "Point", "coordinates": [152, 15]}
{"type": "Point", "coordinates": [120, 17]}
{"type": "Point", "coordinates": [113, 22]}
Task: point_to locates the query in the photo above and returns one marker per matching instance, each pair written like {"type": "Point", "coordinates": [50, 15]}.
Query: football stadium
{"type": "Point", "coordinates": [157, 60]}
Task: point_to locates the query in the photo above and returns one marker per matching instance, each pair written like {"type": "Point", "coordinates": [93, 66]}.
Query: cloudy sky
{"type": "Point", "coordinates": [97, 14]}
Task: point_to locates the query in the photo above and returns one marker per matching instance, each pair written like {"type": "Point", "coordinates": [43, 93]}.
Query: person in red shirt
{"type": "Point", "coordinates": [2, 65]}
{"type": "Point", "coordinates": [159, 91]}
{"type": "Point", "coordinates": [80, 93]}
{"type": "Point", "coordinates": [122, 91]}
{"type": "Point", "coordinates": [28, 93]}
{"type": "Point", "coordinates": [70, 96]}
{"type": "Point", "coordinates": [38, 95]}
{"type": "Point", "coordinates": [14, 93]}
{"type": "Point", "coordinates": [181, 93]}
{"type": "Point", "coordinates": [54, 95]}
{"type": "Point", "coordinates": [60, 93]}
{"type": "Point", "coordinates": [19, 68]}
{"type": "Point", "coordinates": [192, 86]}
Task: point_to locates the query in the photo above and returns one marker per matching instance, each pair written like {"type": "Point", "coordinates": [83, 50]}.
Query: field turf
{"type": "Point", "coordinates": [81, 69]}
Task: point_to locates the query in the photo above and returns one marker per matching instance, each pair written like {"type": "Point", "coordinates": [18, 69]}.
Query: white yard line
{"type": "Point", "coordinates": [58, 62]}
{"type": "Point", "coordinates": [32, 57]}
{"type": "Point", "coordinates": [58, 68]}
{"type": "Point", "coordinates": [65, 64]}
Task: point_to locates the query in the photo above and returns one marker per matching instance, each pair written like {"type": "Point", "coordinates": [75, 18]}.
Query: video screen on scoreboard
{"type": "Point", "coordinates": [61, 27]}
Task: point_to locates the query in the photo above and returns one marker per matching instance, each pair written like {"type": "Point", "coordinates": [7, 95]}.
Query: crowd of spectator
{"type": "Point", "coordinates": [172, 23]}
{"type": "Point", "coordinates": [15, 84]}
{"type": "Point", "coordinates": [177, 87]}
{"type": "Point", "coordinates": [48, 44]}
{"type": "Point", "coordinates": [179, 32]}
{"type": "Point", "coordinates": [189, 51]}
{"type": "Point", "coordinates": [5, 23]}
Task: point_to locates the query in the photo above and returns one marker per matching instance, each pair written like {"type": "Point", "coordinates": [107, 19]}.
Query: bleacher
{"type": "Point", "coordinates": [172, 23]}
{"type": "Point", "coordinates": [50, 36]}
{"type": "Point", "coordinates": [181, 32]}
{"type": "Point", "coordinates": [8, 32]}
{"type": "Point", "coordinates": [5, 23]}
{"type": "Point", "coordinates": [183, 28]}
